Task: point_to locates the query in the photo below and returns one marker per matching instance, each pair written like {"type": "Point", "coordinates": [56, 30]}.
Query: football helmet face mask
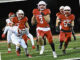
{"type": "Point", "coordinates": [61, 9]}
{"type": "Point", "coordinates": [42, 5]}
{"type": "Point", "coordinates": [20, 14]}
{"type": "Point", "coordinates": [67, 10]}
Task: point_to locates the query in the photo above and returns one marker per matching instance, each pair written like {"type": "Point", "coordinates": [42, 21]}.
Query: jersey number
{"type": "Point", "coordinates": [65, 22]}
{"type": "Point", "coordinates": [41, 19]}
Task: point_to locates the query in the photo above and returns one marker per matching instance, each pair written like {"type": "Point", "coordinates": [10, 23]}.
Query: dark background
{"type": "Point", "coordinates": [29, 5]}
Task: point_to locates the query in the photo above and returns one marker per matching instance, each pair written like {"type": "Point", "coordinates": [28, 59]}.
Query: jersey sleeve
{"type": "Point", "coordinates": [34, 11]}
{"type": "Point", "coordinates": [60, 16]}
{"type": "Point", "coordinates": [46, 11]}
{"type": "Point", "coordinates": [57, 14]}
{"type": "Point", "coordinates": [72, 17]}
{"type": "Point", "coordinates": [26, 19]}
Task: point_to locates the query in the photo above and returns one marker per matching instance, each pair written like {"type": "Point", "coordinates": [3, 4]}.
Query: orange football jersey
{"type": "Point", "coordinates": [20, 23]}
{"type": "Point", "coordinates": [57, 14]}
{"type": "Point", "coordinates": [41, 22]}
{"type": "Point", "coordinates": [65, 21]}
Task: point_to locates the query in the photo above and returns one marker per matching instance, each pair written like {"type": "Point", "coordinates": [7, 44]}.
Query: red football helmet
{"type": "Point", "coordinates": [11, 14]}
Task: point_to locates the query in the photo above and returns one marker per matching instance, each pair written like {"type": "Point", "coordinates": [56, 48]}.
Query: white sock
{"type": "Point", "coordinates": [54, 54]}
{"type": "Point", "coordinates": [31, 38]}
{"type": "Point", "coordinates": [17, 48]}
{"type": "Point", "coordinates": [9, 49]}
{"type": "Point", "coordinates": [42, 47]}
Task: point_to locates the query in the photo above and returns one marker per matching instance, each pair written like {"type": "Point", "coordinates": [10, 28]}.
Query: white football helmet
{"type": "Point", "coordinates": [20, 14]}
{"type": "Point", "coordinates": [61, 7]}
{"type": "Point", "coordinates": [42, 3]}
{"type": "Point", "coordinates": [67, 10]}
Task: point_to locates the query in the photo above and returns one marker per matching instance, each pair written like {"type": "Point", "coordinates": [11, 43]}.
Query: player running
{"type": "Point", "coordinates": [8, 24]}
{"type": "Point", "coordinates": [41, 16]}
{"type": "Point", "coordinates": [22, 22]}
{"type": "Point", "coordinates": [66, 23]}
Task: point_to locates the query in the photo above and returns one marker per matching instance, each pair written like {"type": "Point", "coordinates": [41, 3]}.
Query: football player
{"type": "Point", "coordinates": [8, 24]}
{"type": "Point", "coordinates": [22, 22]}
{"type": "Point", "coordinates": [41, 16]}
{"type": "Point", "coordinates": [17, 39]}
{"type": "Point", "coordinates": [61, 11]}
{"type": "Point", "coordinates": [67, 21]}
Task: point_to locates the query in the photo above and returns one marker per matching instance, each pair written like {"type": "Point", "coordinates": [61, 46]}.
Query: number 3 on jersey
{"type": "Point", "coordinates": [41, 19]}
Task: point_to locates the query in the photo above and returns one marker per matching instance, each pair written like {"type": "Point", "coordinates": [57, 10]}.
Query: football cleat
{"type": "Point", "coordinates": [54, 55]}
{"type": "Point", "coordinates": [29, 56]}
{"type": "Point", "coordinates": [41, 52]}
{"type": "Point", "coordinates": [64, 52]}
{"type": "Point", "coordinates": [33, 47]}
{"type": "Point", "coordinates": [18, 53]}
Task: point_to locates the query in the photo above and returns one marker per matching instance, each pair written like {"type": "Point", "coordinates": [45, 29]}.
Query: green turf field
{"type": "Point", "coordinates": [73, 51]}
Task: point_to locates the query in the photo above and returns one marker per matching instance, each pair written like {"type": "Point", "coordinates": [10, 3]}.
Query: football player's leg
{"type": "Point", "coordinates": [25, 48]}
{"type": "Point", "coordinates": [37, 44]}
{"type": "Point", "coordinates": [31, 37]}
{"type": "Point", "coordinates": [50, 40]}
{"type": "Point", "coordinates": [44, 38]}
{"type": "Point", "coordinates": [67, 39]}
{"type": "Point", "coordinates": [73, 33]}
{"type": "Point", "coordinates": [40, 40]}
{"type": "Point", "coordinates": [9, 41]}
{"type": "Point", "coordinates": [25, 38]}
{"type": "Point", "coordinates": [61, 36]}
{"type": "Point", "coordinates": [15, 41]}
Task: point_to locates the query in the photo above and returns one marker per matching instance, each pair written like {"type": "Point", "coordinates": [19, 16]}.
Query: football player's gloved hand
{"type": "Point", "coordinates": [69, 25]}
{"type": "Point", "coordinates": [42, 14]}
{"type": "Point", "coordinates": [3, 35]}
{"type": "Point", "coordinates": [57, 29]}
{"type": "Point", "coordinates": [33, 47]}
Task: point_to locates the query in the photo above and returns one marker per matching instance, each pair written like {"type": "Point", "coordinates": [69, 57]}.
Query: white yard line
{"type": "Point", "coordinates": [0, 55]}
{"type": "Point", "coordinates": [72, 58]}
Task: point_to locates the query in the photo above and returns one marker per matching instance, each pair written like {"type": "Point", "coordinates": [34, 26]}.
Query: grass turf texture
{"type": "Point", "coordinates": [73, 51]}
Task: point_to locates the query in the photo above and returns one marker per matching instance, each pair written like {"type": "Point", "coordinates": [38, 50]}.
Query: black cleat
{"type": "Point", "coordinates": [74, 38]}
{"type": "Point", "coordinates": [60, 47]}
{"type": "Point", "coordinates": [64, 52]}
